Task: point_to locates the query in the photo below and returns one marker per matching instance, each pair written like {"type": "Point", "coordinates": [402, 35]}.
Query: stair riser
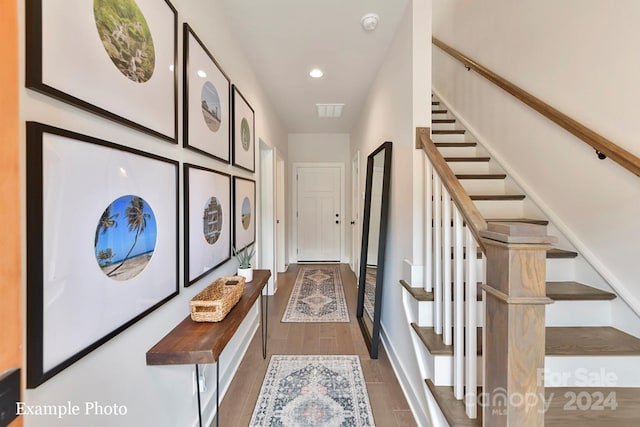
{"type": "Point", "coordinates": [469, 167]}
{"type": "Point", "coordinates": [578, 313]}
{"type": "Point", "coordinates": [458, 151]}
{"type": "Point", "coordinates": [444, 126]}
{"type": "Point", "coordinates": [464, 137]}
{"type": "Point", "coordinates": [501, 209]}
{"type": "Point", "coordinates": [565, 371]}
{"type": "Point", "coordinates": [591, 371]}
{"type": "Point", "coordinates": [484, 186]}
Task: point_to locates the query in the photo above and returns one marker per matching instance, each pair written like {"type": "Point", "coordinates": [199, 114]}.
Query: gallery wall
{"type": "Point", "coordinates": [116, 372]}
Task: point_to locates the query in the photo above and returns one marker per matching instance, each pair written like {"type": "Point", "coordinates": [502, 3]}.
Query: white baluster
{"type": "Point", "coordinates": [458, 299]}
{"type": "Point", "coordinates": [428, 227]}
{"type": "Point", "coordinates": [446, 269]}
{"type": "Point", "coordinates": [471, 400]}
{"type": "Point", "coordinates": [437, 255]}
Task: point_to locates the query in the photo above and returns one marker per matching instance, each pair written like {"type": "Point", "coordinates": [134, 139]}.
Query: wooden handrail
{"type": "Point", "coordinates": [602, 145]}
{"type": "Point", "coordinates": [472, 216]}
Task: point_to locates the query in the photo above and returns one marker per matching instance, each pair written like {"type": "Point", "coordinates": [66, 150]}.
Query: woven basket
{"type": "Point", "coordinates": [217, 299]}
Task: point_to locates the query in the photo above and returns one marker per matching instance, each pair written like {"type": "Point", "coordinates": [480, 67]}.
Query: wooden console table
{"type": "Point", "coordinates": [202, 342]}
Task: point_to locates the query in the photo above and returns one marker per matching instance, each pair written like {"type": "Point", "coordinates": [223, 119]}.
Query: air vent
{"type": "Point", "coordinates": [330, 111]}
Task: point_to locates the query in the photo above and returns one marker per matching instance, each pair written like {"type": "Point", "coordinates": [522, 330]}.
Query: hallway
{"type": "Point", "coordinates": [387, 399]}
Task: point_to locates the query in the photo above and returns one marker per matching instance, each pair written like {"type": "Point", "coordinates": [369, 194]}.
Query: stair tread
{"type": "Point", "coordinates": [438, 111]}
{"type": "Point", "coordinates": [624, 415]}
{"type": "Point", "coordinates": [557, 291]}
{"type": "Point", "coordinates": [418, 293]}
{"type": "Point", "coordinates": [435, 102]}
{"type": "Point", "coordinates": [437, 121]}
{"type": "Point", "coordinates": [574, 291]}
{"type": "Point", "coordinates": [448, 131]}
{"type": "Point", "coordinates": [526, 220]}
{"type": "Point", "coordinates": [467, 159]}
{"type": "Point", "coordinates": [559, 341]}
{"type": "Point", "coordinates": [496, 197]}
{"type": "Point", "coordinates": [481, 175]}
{"type": "Point", "coordinates": [455, 144]}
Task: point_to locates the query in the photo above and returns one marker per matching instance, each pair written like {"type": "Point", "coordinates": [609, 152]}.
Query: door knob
{"type": "Point", "coordinates": [337, 222]}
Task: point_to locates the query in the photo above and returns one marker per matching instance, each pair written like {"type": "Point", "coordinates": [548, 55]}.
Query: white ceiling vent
{"type": "Point", "coordinates": [330, 111]}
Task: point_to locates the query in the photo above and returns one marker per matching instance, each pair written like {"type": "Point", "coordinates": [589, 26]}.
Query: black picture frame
{"type": "Point", "coordinates": [207, 245]}
{"type": "Point", "coordinates": [72, 239]}
{"type": "Point", "coordinates": [244, 132]}
{"type": "Point", "coordinates": [244, 204]}
{"type": "Point", "coordinates": [79, 59]}
{"type": "Point", "coordinates": [206, 128]}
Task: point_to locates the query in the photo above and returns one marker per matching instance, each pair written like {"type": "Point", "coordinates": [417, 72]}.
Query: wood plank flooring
{"type": "Point", "coordinates": [389, 405]}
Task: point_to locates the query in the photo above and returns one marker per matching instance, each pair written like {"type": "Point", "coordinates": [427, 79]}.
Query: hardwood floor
{"type": "Point", "coordinates": [387, 399]}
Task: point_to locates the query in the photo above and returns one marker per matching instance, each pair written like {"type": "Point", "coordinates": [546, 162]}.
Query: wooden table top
{"type": "Point", "coordinates": [202, 342]}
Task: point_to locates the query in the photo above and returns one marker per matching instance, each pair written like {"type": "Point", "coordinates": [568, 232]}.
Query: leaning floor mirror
{"type": "Point", "coordinates": [374, 234]}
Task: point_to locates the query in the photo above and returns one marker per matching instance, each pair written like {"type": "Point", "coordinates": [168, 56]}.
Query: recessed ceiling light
{"type": "Point", "coordinates": [316, 73]}
{"type": "Point", "coordinates": [330, 111]}
{"type": "Point", "coordinates": [202, 74]}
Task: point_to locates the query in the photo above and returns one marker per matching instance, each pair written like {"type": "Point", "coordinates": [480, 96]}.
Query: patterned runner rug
{"type": "Point", "coordinates": [314, 391]}
{"type": "Point", "coordinates": [317, 296]}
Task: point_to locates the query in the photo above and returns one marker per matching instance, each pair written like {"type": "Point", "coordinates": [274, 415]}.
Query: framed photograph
{"type": "Point", "coordinates": [244, 125]}
{"type": "Point", "coordinates": [102, 243]}
{"type": "Point", "coordinates": [115, 58]}
{"type": "Point", "coordinates": [244, 208]}
{"type": "Point", "coordinates": [207, 221]}
{"type": "Point", "coordinates": [207, 95]}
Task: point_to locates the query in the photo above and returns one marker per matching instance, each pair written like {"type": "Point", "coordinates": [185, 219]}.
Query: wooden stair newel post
{"type": "Point", "coordinates": [514, 329]}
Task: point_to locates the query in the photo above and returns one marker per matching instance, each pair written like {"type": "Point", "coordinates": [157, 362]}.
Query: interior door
{"type": "Point", "coordinates": [318, 213]}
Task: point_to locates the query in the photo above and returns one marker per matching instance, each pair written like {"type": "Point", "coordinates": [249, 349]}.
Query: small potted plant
{"type": "Point", "coordinates": [244, 258]}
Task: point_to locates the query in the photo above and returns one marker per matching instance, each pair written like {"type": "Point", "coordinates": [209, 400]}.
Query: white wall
{"type": "Point", "coordinates": [116, 372]}
{"type": "Point", "coordinates": [318, 148]}
{"type": "Point", "coordinates": [580, 56]}
{"type": "Point", "coordinates": [397, 93]}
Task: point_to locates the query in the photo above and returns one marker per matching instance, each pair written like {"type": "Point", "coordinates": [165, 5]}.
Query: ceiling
{"type": "Point", "coordinates": [284, 39]}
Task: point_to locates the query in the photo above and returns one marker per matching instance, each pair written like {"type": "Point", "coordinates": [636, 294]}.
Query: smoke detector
{"type": "Point", "coordinates": [370, 21]}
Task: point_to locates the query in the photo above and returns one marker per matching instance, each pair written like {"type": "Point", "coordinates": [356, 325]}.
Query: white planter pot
{"type": "Point", "coordinates": [247, 273]}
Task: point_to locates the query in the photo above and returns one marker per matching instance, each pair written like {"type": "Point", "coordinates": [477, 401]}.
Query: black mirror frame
{"type": "Point", "coordinates": [373, 339]}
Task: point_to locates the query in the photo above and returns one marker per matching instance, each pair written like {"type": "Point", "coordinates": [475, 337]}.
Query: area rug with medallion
{"type": "Point", "coordinates": [314, 391]}
{"type": "Point", "coordinates": [317, 296]}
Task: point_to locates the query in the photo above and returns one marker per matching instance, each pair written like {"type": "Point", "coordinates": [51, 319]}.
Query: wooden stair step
{"type": "Point", "coordinates": [435, 102]}
{"type": "Point", "coordinates": [439, 111]}
{"type": "Point", "coordinates": [448, 131]}
{"type": "Point", "coordinates": [590, 341]}
{"type": "Point", "coordinates": [559, 341]}
{"type": "Point", "coordinates": [452, 408]}
{"type": "Point", "coordinates": [497, 197]}
{"type": "Point", "coordinates": [525, 220]}
{"type": "Point", "coordinates": [455, 144]}
{"type": "Point", "coordinates": [442, 121]}
{"type": "Point", "coordinates": [419, 294]}
{"type": "Point", "coordinates": [625, 414]}
{"type": "Point", "coordinates": [481, 175]}
{"type": "Point", "coordinates": [574, 291]}
{"type": "Point", "coordinates": [557, 291]}
{"type": "Point", "coordinates": [556, 253]}
{"type": "Point", "coordinates": [467, 159]}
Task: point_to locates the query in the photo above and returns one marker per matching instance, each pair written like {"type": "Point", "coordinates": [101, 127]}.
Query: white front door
{"type": "Point", "coordinates": [319, 213]}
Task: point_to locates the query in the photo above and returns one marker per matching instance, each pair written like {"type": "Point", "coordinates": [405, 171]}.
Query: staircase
{"type": "Point", "coordinates": [592, 369]}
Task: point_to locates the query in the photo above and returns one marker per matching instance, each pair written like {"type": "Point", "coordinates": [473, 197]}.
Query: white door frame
{"type": "Point", "coordinates": [356, 213]}
{"type": "Point", "coordinates": [293, 256]}
{"type": "Point", "coordinates": [281, 249]}
{"type": "Point", "coordinates": [267, 232]}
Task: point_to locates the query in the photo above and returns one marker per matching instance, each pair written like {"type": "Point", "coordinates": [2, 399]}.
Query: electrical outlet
{"type": "Point", "coordinates": [9, 395]}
